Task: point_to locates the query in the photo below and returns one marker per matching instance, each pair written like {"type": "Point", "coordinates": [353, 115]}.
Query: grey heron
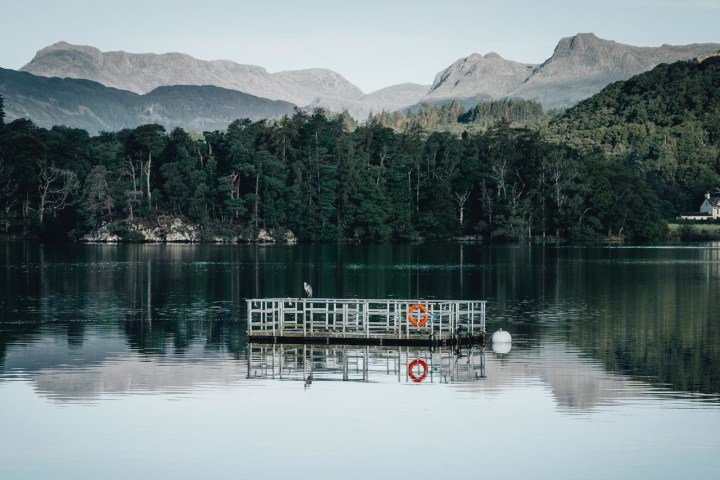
{"type": "Point", "coordinates": [308, 289]}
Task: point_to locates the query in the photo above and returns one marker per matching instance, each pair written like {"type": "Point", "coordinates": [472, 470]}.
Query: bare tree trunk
{"type": "Point", "coordinates": [383, 156]}
{"type": "Point", "coordinates": [461, 199]}
{"type": "Point", "coordinates": [56, 188]}
{"type": "Point", "coordinates": [234, 178]}
{"type": "Point", "coordinates": [132, 196]}
{"type": "Point", "coordinates": [202, 159]}
{"type": "Point", "coordinates": [500, 172]}
{"type": "Point", "coordinates": [26, 206]}
{"type": "Point", "coordinates": [148, 171]}
{"type": "Point", "coordinates": [257, 197]}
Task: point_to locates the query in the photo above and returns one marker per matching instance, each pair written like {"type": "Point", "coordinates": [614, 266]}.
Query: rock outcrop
{"type": "Point", "coordinates": [176, 230]}
{"type": "Point", "coordinates": [285, 236]}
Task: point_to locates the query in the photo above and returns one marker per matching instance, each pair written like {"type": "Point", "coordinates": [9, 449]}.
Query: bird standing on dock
{"type": "Point", "coordinates": [308, 289]}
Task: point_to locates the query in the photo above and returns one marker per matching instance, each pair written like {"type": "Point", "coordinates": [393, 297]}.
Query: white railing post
{"type": "Point", "coordinates": [362, 318]}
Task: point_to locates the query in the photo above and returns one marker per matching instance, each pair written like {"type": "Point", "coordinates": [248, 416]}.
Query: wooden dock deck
{"type": "Point", "coordinates": [365, 322]}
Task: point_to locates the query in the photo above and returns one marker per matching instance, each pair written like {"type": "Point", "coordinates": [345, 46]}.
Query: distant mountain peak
{"type": "Point", "coordinates": [580, 66]}
{"type": "Point", "coordinates": [584, 64]}
{"type": "Point", "coordinates": [480, 76]}
{"type": "Point", "coordinates": [143, 72]}
{"type": "Point", "coordinates": [581, 43]}
{"type": "Point", "coordinates": [587, 36]}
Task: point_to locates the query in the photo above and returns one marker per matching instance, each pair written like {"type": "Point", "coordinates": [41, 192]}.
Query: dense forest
{"type": "Point", "coordinates": [664, 124]}
{"type": "Point", "coordinates": [618, 164]}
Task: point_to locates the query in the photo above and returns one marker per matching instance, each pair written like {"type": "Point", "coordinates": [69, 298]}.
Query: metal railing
{"type": "Point", "coordinates": [364, 318]}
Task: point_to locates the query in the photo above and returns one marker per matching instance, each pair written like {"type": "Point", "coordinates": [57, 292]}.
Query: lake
{"type": "Point", "coordinates": [122, 361]}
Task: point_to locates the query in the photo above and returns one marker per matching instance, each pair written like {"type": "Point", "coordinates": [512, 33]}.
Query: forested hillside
{"type": "Point", "coordinates": [664, 124]}
{"type": "Point", "coordinates": [620, 163]}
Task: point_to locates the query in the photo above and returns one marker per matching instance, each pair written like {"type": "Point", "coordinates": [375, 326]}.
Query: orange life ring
{"type": "Point", "coordinates": [424, 374]}
{"type": "Point", "coordinates": [411, 318]}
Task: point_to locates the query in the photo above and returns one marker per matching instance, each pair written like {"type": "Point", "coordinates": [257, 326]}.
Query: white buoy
{"type": "Point", "coordinates": [501, 348]}
{"type": "Point", "coordinates": [501, 342]}
{"type": "Point", "coordinates": [501, 337]}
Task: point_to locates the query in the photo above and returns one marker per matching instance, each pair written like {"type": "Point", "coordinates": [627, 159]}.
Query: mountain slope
{"type": "Point", "coordinates": [579, 67]}
{"type": "Point", "coordinates": [94, 107]}
{"type": "Point", "coordinates": [488, 76]}
{"type": "Point", "coordinates": [388, 99]}
{"type": "Point", "coordinates": [142, 73]}
{"type": "Point", "coordinates": [584, 64]}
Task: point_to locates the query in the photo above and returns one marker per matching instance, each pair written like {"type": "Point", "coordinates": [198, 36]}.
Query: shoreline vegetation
{"type": "Point", "coordinates": [707, 230]}
{"type": "Point", "coordinates": [176, 230]}
{"type": "Point", "coordinates": [617, 166]}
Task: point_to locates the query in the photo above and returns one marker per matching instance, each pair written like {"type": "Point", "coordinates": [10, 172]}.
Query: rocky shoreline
{"type": "Point", "coordinates": [176, 230]}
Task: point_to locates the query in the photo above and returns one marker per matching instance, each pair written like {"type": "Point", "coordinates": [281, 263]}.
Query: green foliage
{"type": "Point", "coordinates": [452, 117]}
{"type": "Point", "coordinates": [309, 174]}
{"type": "Point", "coordinates": [516, 110]}
{"type": "Point", "coordinates": [618, 164]}
{"type": "Point", "coordinates": [665, 124]}
{"type": "Point", "coordinates": [125, 232]}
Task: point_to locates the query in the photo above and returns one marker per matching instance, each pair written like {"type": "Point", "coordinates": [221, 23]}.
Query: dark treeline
{"type": "Point", "coordinates": [309, 174]}
{"type": "Point", "coordinates": [453, 117]}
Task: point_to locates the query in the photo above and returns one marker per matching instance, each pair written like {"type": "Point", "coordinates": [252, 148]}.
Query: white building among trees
{"type": "Point", "coordinates": [709, 210]}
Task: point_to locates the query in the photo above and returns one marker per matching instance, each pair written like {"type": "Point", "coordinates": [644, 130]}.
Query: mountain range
{"type": "Point", "coordinates": [142, 73]}
{"type": "Point", "coordinates": [579, 67]}
{"type": "Point", "coordinates": [85, 104]}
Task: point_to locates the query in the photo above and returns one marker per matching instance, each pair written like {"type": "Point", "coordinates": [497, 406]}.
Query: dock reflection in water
{"type": "Point", "coordinates": [312, 363]}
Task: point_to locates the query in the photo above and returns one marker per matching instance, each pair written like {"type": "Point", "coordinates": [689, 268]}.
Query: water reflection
{"type": "Point", "coordinates": [111, 361]}
{"type": "Point", "coordinates": [311, 363]}
{"type": "Point", "coordinates": [614, 370]}
{"type": "Point", "coordinates": [647, 315]}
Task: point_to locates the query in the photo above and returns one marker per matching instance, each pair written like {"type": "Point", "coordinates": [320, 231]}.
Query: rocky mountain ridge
{"type": "Point", "coordinates": [477, 75]}
{"type": "Point", "coordinates": [579, 67]}
{"type": "Point", "coordinates": [143, 72]}
{"type": "Point", "coordinates": [583, 65]}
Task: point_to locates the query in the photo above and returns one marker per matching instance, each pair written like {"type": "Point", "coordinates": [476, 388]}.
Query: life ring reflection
{"type": "Point", "coordinates": [423, 374]}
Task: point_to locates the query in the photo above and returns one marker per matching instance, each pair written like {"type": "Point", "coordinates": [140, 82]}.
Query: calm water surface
{"type": "Point", "coordinates": [133, 362]}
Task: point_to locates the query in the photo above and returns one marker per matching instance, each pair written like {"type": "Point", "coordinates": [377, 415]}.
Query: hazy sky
{"type": "Point", "coordinates": [373, 43]}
